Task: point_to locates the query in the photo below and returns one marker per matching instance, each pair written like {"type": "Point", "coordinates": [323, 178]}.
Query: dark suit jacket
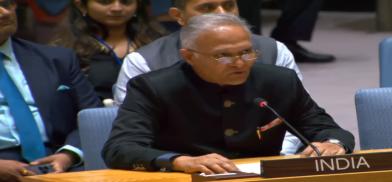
{"type": "Point", "coordinates": [173, 110]}
{"type": "Point", "coordinates": [45, 69]}
{"type": "Point", "coordinates": [102, 74]}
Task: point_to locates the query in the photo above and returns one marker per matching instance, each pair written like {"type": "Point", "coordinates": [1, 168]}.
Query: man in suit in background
{"type": "Point", "coordinates": [196, 114]}
{"type": "Point", "coordinates": [296, 23]}
{"type": "Point", "coordinates": [43, 88]}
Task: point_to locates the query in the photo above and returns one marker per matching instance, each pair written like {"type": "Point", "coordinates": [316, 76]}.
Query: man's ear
{"type": "Point", "coordinates": [178, 15]}
{"type": "Point", "coordinates": [187, 55]}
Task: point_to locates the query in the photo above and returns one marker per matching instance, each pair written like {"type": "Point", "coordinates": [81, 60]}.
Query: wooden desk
{"type": "Point", "coordinates": [131, 176]}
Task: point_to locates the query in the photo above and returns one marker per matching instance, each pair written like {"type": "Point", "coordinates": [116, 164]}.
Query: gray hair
{"type": "Point", "coordinates": [202, 23]}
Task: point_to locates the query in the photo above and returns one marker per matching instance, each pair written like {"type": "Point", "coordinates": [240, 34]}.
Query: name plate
{"type": "Point", "coordinates": [326, 165]}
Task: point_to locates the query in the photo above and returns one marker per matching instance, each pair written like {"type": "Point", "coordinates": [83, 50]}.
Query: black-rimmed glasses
{"type": "Point", "coordinates": [248, 55]}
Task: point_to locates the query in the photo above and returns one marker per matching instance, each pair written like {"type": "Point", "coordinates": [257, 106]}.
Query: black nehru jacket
{"type": "Point", "coordinates": [174, 110]}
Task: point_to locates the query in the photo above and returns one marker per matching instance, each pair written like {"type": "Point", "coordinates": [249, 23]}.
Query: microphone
{"type": "Point", "coordinates": [262, 103]}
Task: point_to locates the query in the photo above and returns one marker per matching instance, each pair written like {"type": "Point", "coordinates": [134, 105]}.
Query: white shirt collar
{"type": "Point", "coordinates": [6, 49]}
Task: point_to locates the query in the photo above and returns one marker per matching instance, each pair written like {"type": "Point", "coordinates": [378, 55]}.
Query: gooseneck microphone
{"type": "Point", "coordinates": [262, 103]}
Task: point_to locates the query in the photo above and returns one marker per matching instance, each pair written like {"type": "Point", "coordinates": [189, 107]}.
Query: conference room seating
{"type": "Point", "coordinates": [94, 129]}
{"type": "Point", "coordinates": [374, 114]}
{"type": "Point", "coordinates": [385, 57]}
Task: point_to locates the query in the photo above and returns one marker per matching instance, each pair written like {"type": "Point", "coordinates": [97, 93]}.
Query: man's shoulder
{"type": "Point", "coordinates": [273, 79]}
{"type": "Point", "coordinates": [267, 46]}
{"type": "Point", "coordinates": [155, 45]}
{"type": "Point", "coordinates": [163, 81]}
{"type": "Point", "coordinates": [26, 45]}
{"type": "Point", "coordinates": [27, 51]}
{"type": "Point", "coordinates": [169, 78]}
{"type": "Point", "coordinates": [162, 53]}
{"type": "Point", "coordinates": [260, 40]}
{"type": "Point", "coordinates": [164, 74]}
{"type": "Point", "coordinates": [256, 37]}
{"type": "Point", "coordinates": [271, 70]}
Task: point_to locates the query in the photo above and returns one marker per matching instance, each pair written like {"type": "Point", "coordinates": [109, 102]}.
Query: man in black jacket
{"type": "Point", "coordinates": [195, 115]}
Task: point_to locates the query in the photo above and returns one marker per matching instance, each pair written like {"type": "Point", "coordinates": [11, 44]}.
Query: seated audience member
{"type": "Point", "coordinates": [41, 91]}
{"type": "Point", "coordinates": [296, 23]}
{"type": "Point", "coordinates": [164, 52]}
{"type": "Point", "coordinates": [40, 20]}
{"type": "Point", "coordinates": [190, 116]}
{"type": "Point", "coordinates": [103, 32]}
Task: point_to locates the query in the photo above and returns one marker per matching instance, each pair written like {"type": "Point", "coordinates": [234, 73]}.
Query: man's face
{"type": "Point", "coordinates": [223, 41]}
{"type": "Point", "coordinates": [8, 20]}
{"type": "Point", "coordinates": [198, 7]}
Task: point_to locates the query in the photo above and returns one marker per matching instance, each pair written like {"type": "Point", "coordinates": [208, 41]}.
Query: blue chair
{"type": "Point", "coordinates": [385, 53]}
{"type": "Point", "coordinates": [374, 114]}
{"type": "Point", "coordinates": [94, 129]}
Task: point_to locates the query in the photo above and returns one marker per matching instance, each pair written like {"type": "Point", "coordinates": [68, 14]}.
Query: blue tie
{"type": "Point", "coordinates": [30, 138]}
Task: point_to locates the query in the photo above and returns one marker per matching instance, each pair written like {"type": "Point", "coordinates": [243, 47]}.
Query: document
{"type": "Point", "coordinates": [249, 167]}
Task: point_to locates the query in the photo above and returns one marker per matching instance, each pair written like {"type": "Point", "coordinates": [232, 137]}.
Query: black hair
{"type": "Point", "coordinates": [140, 30]}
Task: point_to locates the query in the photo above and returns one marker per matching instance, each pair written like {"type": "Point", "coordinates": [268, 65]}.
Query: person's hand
{"type": "Point", "coordinates": [325, 149]}
{"type": "Point", "coordinates": [60, 161]}
{"type": "Point", "coordinates": [208, 164]}
{"type": "Point", "coordinates": [14, 168]}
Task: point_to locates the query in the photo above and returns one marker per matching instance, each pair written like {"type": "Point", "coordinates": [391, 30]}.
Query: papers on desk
{"type": "Point", "coordinates": [249, 167]}
{"type": "Point", "coordinates": [222, 174]}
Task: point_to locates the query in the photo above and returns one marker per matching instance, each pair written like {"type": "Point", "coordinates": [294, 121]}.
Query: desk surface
{"type": "Point", "coordinates": [130, 176]}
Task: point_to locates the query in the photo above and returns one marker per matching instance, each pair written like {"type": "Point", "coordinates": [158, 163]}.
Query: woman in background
{"type": "Point", "coordinates": [103, 32]}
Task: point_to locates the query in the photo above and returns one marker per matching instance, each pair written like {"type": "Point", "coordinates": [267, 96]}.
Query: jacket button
{"type": "Point", "coordinates": [230, 132]}
{"type": "Point", "coordinates": [228, 103]}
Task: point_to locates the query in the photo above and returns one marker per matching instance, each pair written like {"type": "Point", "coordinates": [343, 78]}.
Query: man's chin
{"type": "Point", "coordinates": [6, 32]}
{"type": "Point", "coordinates": [236, 82]}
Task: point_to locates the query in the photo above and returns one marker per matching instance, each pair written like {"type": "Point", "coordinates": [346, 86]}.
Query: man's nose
{"type": "Point", "coordinates": [238, 62]}
{"type": "Point", "coordinates": [220, 9]}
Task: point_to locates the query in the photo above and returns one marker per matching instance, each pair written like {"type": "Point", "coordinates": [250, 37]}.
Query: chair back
{"type": "Point", "coordinates": [94, 128]}
{"type": "Point", "coordinates": [385, 53]}
{"type": "Point", "coordinates": [374, 114]}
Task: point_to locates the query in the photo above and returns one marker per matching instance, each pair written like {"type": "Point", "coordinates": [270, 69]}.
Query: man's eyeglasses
{"type": "Point", "coordinates": [6, 3]}
{"type": "Point", "coordinates": [248, 55]}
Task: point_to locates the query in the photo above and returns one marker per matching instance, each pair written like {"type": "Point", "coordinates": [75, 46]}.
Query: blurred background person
{"type": "Point", "coordinates": [296, 23]}
{"type": "Point", "coordinates": [41, 91]}
{"type": "Point", "coordinates": [103, 32]}
{"type": "Point", "coordinates": [39, 20]}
